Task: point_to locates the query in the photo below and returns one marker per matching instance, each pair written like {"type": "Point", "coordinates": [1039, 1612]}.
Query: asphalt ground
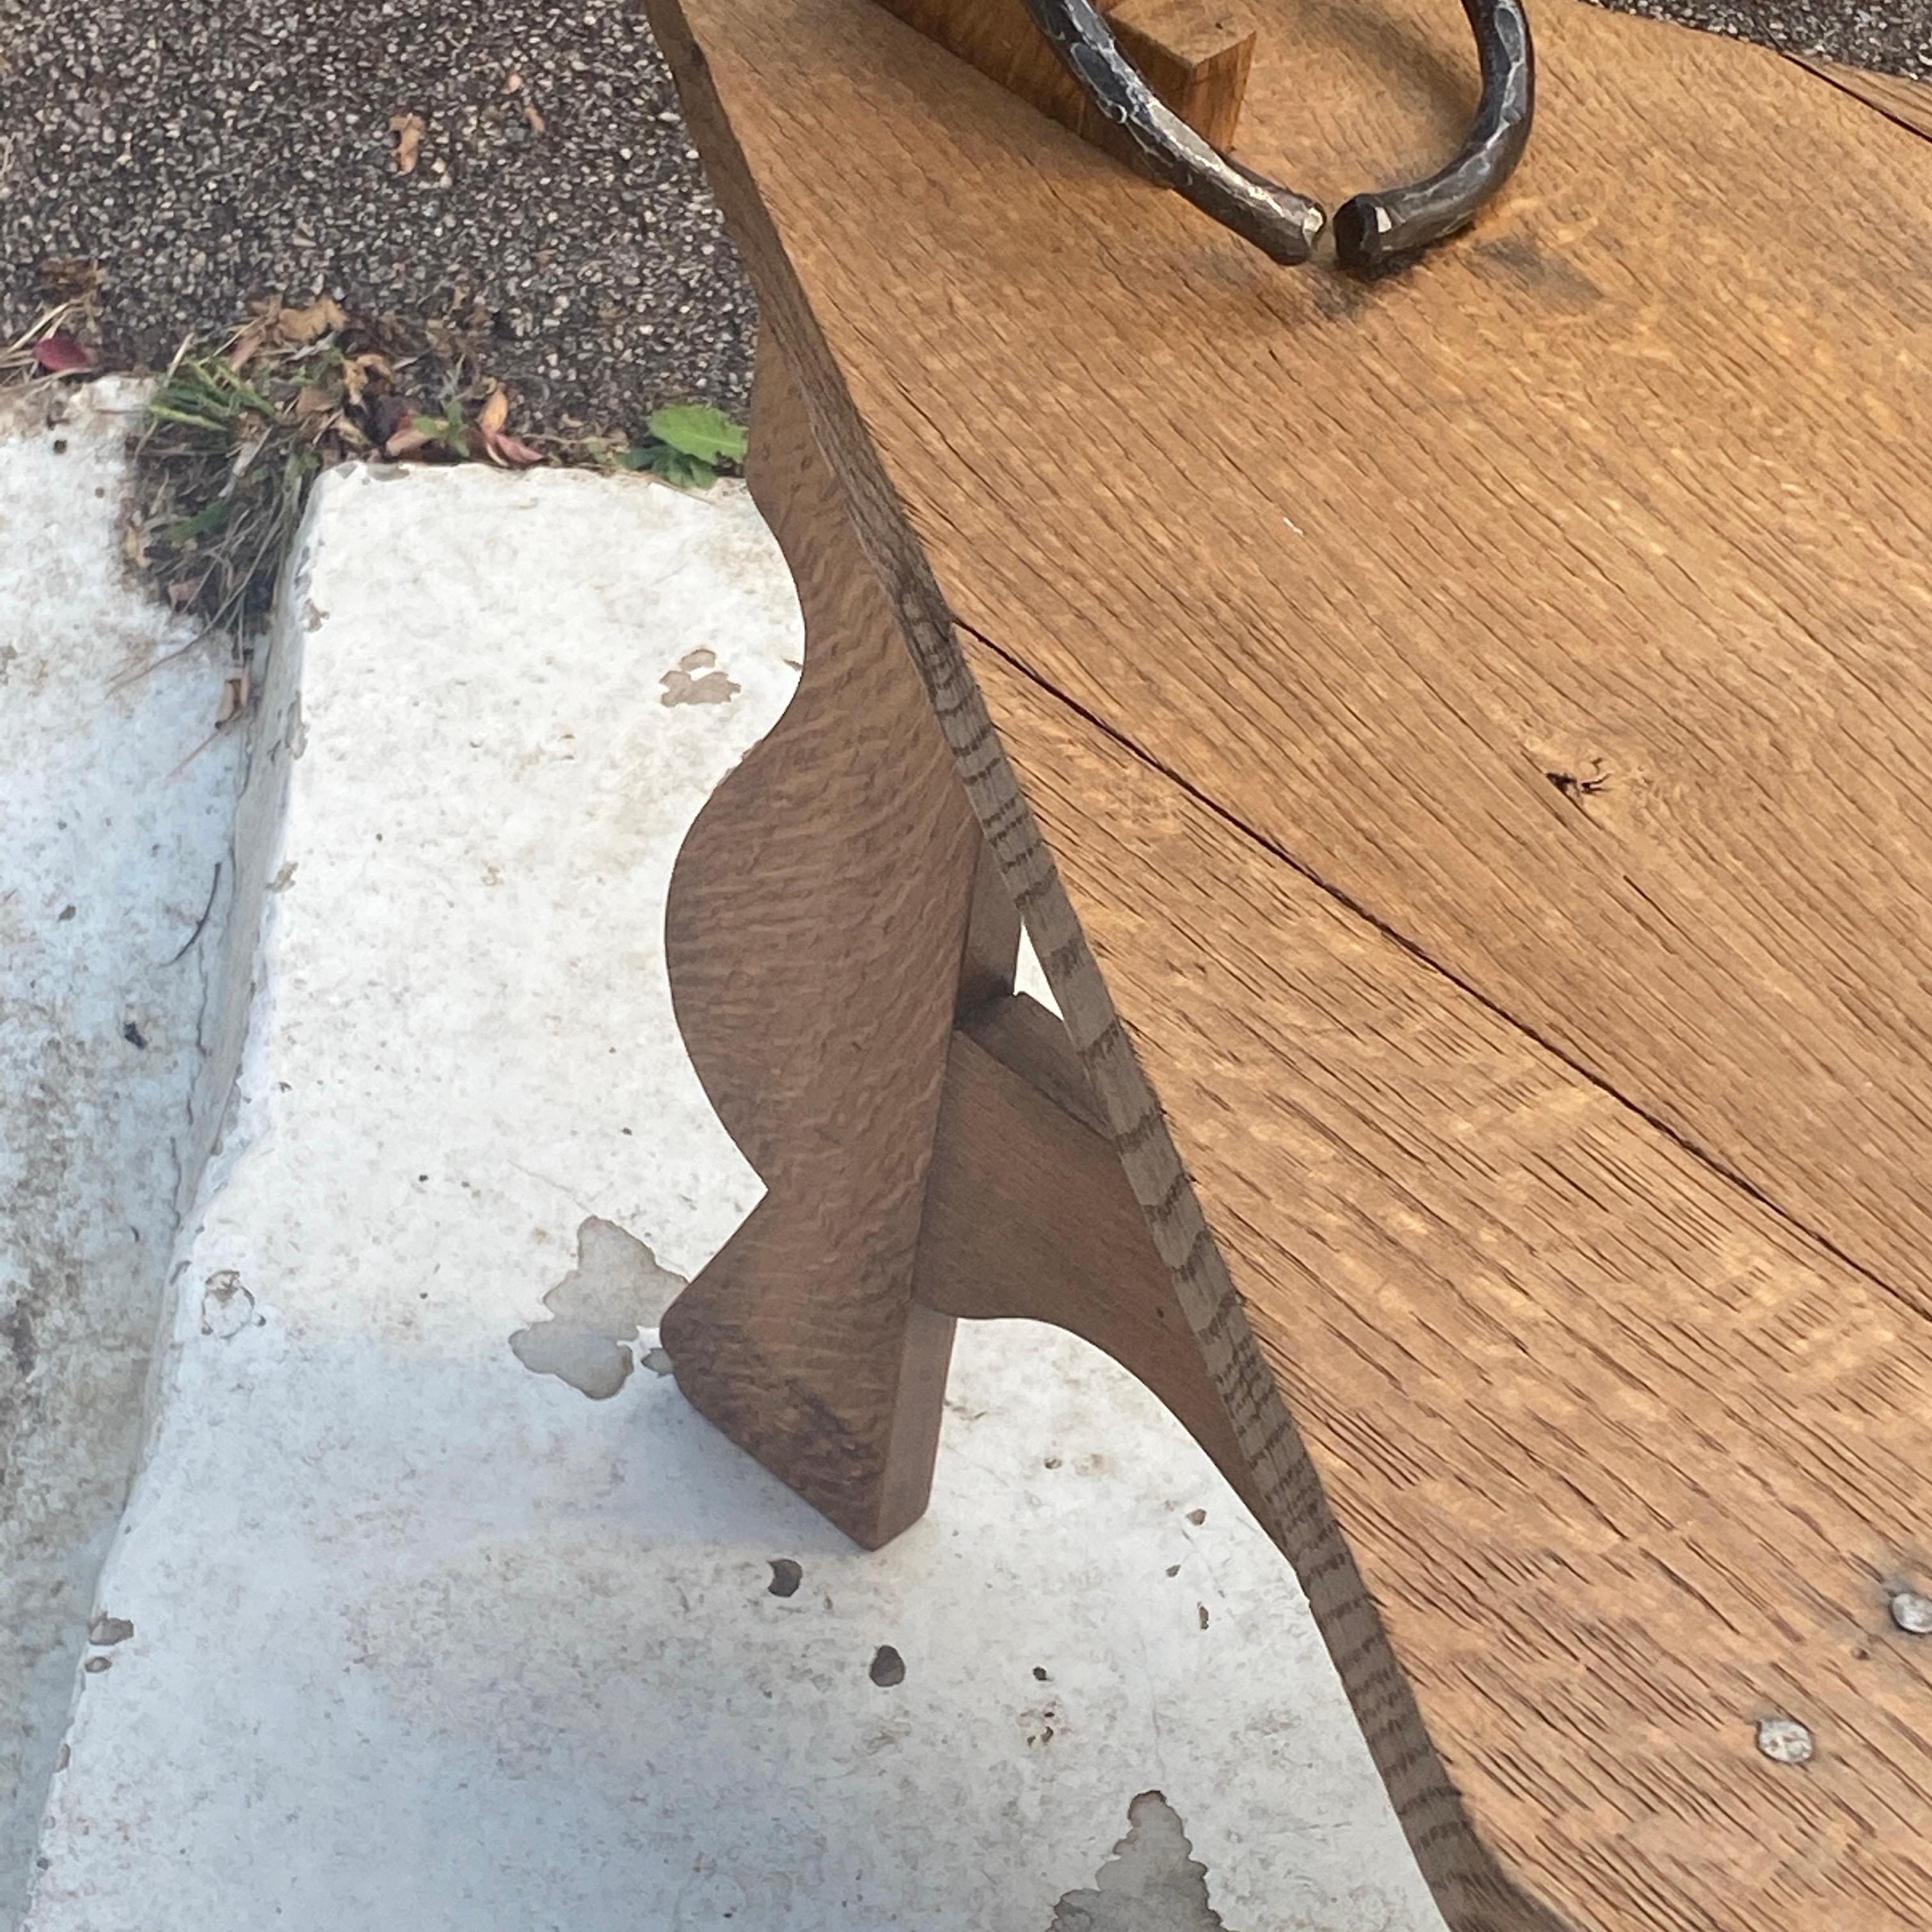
{"type": "Point", "coordinates": [205, 151]}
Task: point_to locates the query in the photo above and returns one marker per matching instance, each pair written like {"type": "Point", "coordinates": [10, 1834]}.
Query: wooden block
{"type": "Point", "coordinates": [1195, 53]}
{"type": "Point", "coordinates": [1195, 56]}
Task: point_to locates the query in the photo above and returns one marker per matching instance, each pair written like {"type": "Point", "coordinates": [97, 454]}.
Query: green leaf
{"type": "Point", "coordinates": [697, 430]}
{"type": "Point", "coordinates": [209, 517]}
{"type": "Point", "coordinates": [674, 466]}
{"type": "Point", "coordinates": [688, 472]}
{"type": "Point", "coordinates": [166, 412]}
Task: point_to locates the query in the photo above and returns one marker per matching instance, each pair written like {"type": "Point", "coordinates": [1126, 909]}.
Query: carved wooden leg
{"type": "Point", "coordinates": [830, 913]}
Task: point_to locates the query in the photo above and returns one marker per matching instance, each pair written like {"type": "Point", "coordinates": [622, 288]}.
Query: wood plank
{"type": "Point", "coordinates": [827, 907]}
{"type": "Point", "coordinates": [1195, 54]}
{"type": "Point", "coordinates": [1626, 1464]}
{"type": "Point", "coordinates": [1561, 605]}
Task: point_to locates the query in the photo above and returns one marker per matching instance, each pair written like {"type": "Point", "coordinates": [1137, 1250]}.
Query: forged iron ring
{"type": "Point", "coordinates": [1373, 232]}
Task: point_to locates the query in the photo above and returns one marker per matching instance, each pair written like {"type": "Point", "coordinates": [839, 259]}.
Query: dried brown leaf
{"type": "Point", "coordinates": [234, 698]}
{"type": "Point", "coordinates": [513, 84]}
{"type": "Point", "coordinates": [409, 129]}
{"type": "Point", "coordinates": [537, 124]}
{"type": "Point", "coordinates": [70, 277]}
{"type": "Point", "coordinates": [360, 371]}
{"type": "Point", "coordinates": [297, 328]}
{"type": "Point", "coordinates": [494, 413]}
{"type": "Point", "coordinates": [405, 442]}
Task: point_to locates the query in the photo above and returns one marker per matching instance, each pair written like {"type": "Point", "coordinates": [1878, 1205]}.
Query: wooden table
{"type": "Point", "coordinates": [1459, 744]}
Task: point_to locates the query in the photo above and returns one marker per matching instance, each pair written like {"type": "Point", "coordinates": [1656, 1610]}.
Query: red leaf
{"type": "Point", "coordinates": [60, 355]}
{"type": "Point", "coordinates": [508, 451]}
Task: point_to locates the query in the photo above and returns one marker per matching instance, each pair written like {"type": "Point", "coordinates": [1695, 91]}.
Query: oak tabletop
{"type": "Point", "coordinates": [1474, 718]}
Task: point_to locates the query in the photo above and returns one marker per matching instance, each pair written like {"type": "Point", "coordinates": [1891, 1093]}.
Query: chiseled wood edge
{"type": "Point", "coordinates": [1473, 1893]}
{"type": "Point", "coordinates": [829, 907]}
{"type": "Point", "coordinates": [1907, 102]}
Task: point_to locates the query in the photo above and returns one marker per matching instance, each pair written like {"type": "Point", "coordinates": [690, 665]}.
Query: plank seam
{"type": "Point", "coordinates": [1683, 1142]}
{"type": "Point", "coordinates": [1842, 80]}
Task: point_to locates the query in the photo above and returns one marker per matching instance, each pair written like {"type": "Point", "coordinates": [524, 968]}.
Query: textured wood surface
{"type": "Point", "coordinates": [1561, 605]}
{"type": "Point", "coordinates": [1508, 1081]}
{"type": "Point", "coordinates": [1627, 1463]}
{"type": "Point", "coordinates": [817, 929]}
{"type": "Point", "coordinates": [1195, 55]}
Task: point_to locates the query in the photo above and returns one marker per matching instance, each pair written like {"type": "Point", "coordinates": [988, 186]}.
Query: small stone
{"type": "Point", "coordinates": [107, 1631]}
{"type": "Point", "coordinates": [1912, 1612]}
{"type": "Point", "coordinates": [1197, 1517]}
{"type": "Point", "coordinates": [786, 1577]}
{"type": "Point", "coordinates": [94, 1665]}
{"type": "Point", "coordinates": [888, 1667]}
{"type": "Point", "coordinates": [1785, 1741]}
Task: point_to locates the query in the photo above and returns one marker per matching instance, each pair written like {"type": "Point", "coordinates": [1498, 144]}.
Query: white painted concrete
{"type": "Point", "coordinates": [423, 1637]}
{"type": "Point", "coordinates": [115, 814]}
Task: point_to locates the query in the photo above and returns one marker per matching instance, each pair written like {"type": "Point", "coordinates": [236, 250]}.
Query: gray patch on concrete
{"type": "Point", "coordinates": [617, 1290]}
{"type": "Point", "coordinates": [694, 682]}
{"type": "Point", "coordinates": [227, 1306]}
{"type": "Point", "coordinates": [107, 1631]}
{"type": "Point", "coordinates": [1152, 1883]}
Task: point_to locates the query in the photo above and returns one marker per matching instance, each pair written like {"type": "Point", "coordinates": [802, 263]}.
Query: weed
{"type": "Point", "coordinates": [689, 444]}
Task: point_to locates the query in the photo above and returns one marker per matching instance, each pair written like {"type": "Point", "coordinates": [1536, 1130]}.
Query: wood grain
{"type": "Point", "coordinates": [1625, 1459]}
{"type": "Point", "coordinates": [1626, 1464]}
{"type": "Point", "coordinates": [1561, 606]}
{"type": "Point", "coordinates": [1194, 54]}
{"type": "Point", "coordinates": [821, 922]}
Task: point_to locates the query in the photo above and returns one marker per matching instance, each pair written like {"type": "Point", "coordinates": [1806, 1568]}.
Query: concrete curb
{"type": "Point", "coordinates": [434, 1604]}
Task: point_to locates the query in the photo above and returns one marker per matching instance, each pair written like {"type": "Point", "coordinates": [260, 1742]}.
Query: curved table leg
{"type": "Point", "coordinates": [830, 912]}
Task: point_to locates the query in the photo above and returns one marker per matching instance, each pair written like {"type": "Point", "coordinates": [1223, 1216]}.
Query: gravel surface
{"type": "Point", "coordinates": [1896, 37]}
{"type": "Point", "coordinates": [206, 150]}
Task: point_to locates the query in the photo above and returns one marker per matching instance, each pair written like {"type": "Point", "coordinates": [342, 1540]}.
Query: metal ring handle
{"type": "Point", "coordinates": [1376, 233]}
{"type": "Point", "coordinates": [1373, 232]}
{"type": "Point", "coordinates": [1283, 225]}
